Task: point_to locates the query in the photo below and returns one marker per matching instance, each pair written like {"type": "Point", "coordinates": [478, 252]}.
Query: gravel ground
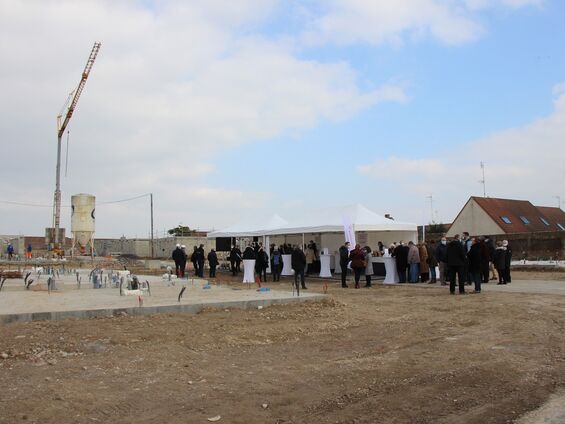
{"type": "Point", "coordinates": [380, 355]}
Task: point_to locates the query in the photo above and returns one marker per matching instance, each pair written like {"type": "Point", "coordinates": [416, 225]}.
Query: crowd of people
{"type": "Point", "coordinates": [461, 261]}
{"type": "Point", "coordinates": [198, 256]}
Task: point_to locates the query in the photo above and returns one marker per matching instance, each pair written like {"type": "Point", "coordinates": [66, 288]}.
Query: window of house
{"type": "Point", "coordinates": [506, 220]}
{"type": "Point", "coordinates": [525, 220]}
{"type": "Point", "coordinates": [544, 221]}
{"type": "Point", "coordinates": [561, 227]}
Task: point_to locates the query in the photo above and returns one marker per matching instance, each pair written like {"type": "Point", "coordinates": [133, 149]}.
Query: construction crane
{"type": "Point", "coordinates": [61, 126]}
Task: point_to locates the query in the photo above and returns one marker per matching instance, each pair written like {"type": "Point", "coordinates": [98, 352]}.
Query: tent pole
{"type": "Point", "coordinates": [302, 241]}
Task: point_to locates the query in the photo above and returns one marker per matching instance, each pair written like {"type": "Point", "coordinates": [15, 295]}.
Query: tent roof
{"type": "Point", "coordinates": [248, 228]}
{"type": "Point", "coordinates": [333, 220]}
{"type": "Point", "coordinates": [320, 221]}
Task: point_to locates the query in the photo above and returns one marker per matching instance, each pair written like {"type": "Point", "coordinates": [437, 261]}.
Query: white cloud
{"type": "Point", "coordinates": [385, 21]}
{"type": "Point", "coordinates": [521, 163]}
{"type": "Point", "coordinates": [175, 83]}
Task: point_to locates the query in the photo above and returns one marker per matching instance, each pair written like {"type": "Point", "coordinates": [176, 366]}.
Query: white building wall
{"type": "Point", "coordinates": [475, 221]}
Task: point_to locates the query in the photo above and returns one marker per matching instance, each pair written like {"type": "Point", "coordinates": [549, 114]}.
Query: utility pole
{"type": "Point", "coordinates": [431, 197]}
{"type": "Point", "coordinates": [483, 180]}
{"type": "Point", "coordinates": [152, 244]}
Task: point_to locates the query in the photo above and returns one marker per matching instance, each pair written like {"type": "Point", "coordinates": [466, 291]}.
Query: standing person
{"type": "Point", "coordinates": [265, 257]}
{"type": "Point", "coordinates": [28, 252]}
{"type": "Point", "coordinates": [343, 262]}
{"type": "Point", "coordinates": [400, 253]}
{"type": "Point", "coordinates": [490, 246]}
{"type": "Point", "coordinates": [466, 242]}
{"type": "Point", "coordinates": [500, 262]}
{"type": "Point", "coordinates": [381, 248]}
{"type": "Point", "coordinates": [276, 264]}
{"type": "Point", "coordinates": [249, 253]}
{"type": "Point", "coordinates": [298, 263]}
{"type": "Point", "coordinates": [183, 260]}
{"type": "Point", "coordinates": [368, 267]}
{"type": "Point", "coordinates": [194, 260]}
{"type": "Point", "coordinates": [238, 259]}
{"type": "Point", "coordinates": [213, 262]}
{"type": "Point", "coordinates": [177, 257]}
{"type": "Point", "coordinates": [474, 257]}
{"type": "Point", "coordinates": [441, 256]}
{"type": "Point", "coordinates": [10, 250]}
{"type": "Point", "coordinates": [413, 262]}
{"type": "Point", "coordinates": [310, 256]}
{"type": "Point", "coordinates": [485, 259]}
{"type": "Point", "coordinates": [201, 257]}
{"type": "Point", "coordinates": [233, 259]}
{"type": "Point", "coordinates": [508, 260]}
{"type": "Point", "coordinates": [424, 265]}
{"type": "Point", "coordinates": [357, 258]}
{"type": "Point", "coordinates": [456, 259]}
{"type": "Point", "coordinates": [432, 261]}
{"type": "Point", "coordinates": [260, 263]}
{"type": "Point", "coordinates": [317, 263]}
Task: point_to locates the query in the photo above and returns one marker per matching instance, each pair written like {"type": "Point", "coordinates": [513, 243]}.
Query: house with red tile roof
{"type": "Point", "coordinates": [492, 216]}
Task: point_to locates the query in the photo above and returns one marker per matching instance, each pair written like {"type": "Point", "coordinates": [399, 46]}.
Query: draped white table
{"type": "Point", "coordinates": [391, 272]}
{"type": "Point", "coordinates": [248, 270]}
{"type": "Point", "coordinates": [325, 266]}
{"type": "Point", "coordinates": [287, 265]}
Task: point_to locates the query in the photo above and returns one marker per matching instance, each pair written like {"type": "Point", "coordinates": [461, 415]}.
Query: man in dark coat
{"type": "Point", "coordinates": [508, 259]}
{"type": "Point", "coordinates": [343, 262]}
{"type": "Point", "coordinates": [235, 259]}
{"type": "Point", "coordinates": [195, 261]}
{"type": "Point", "coordinates": [261, 264]}
{"type": "Point", "coordinates": [201, 257]}
{"type": "Point", "coordinates": [456, 264]}
{"type": "Point", "coordinates": [178, 256]}
{"type": "Point", "coordinates": [401, 255]}
{"type": "Point", "coordinates": [475, 261]}
{"type": "Point", "coordinates": [213, 262]}
{"type": "Point", "coordinates": [249, 253]}
{"type": "Point", "coordinates": [298, 263]}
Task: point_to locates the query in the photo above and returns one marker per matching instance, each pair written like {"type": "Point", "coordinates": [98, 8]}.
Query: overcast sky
{"type": "Point", "coordinates": [224, 109]}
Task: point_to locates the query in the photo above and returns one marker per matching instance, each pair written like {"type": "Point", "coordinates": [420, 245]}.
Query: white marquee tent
{"type": "Point", "coordinates": [251, 228]}
{"type": "Point", "coordinates": [328, 226]}
{"type": "Point", "coordinates": [334, 219]}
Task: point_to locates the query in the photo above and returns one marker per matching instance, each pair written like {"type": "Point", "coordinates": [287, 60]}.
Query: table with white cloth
{"type": "Point", "coordinates": [391, 272]}
{"type": "Point", "coordinates": [249, 270]}
{"type": "Point", "coordinates": [325, 262]}
{"type": "Point", "coordinates": [287, 265]}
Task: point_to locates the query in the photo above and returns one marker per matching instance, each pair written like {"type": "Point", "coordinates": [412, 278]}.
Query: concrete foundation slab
{"type": "Point", "coordinates": [70, 301]}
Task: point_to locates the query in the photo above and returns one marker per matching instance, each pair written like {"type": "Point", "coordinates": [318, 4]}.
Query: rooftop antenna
{"type": "Point", "coordinates": [558, 201]}
{"type": "Point", "coordinates": [483, 180]}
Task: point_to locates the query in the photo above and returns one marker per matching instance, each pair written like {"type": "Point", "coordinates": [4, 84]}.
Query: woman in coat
{"type": "Point", "coordinates": [432, 261]}
{"type": "Point", "coordinates": [357, 258]}
{"type": "Point", "coordinates": [424, 267]}
{"type": "Point", "coordinates": [368, 266]}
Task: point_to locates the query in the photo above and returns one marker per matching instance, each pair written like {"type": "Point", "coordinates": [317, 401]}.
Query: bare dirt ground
{"type": "Point", "coordinates": [380, 355]}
